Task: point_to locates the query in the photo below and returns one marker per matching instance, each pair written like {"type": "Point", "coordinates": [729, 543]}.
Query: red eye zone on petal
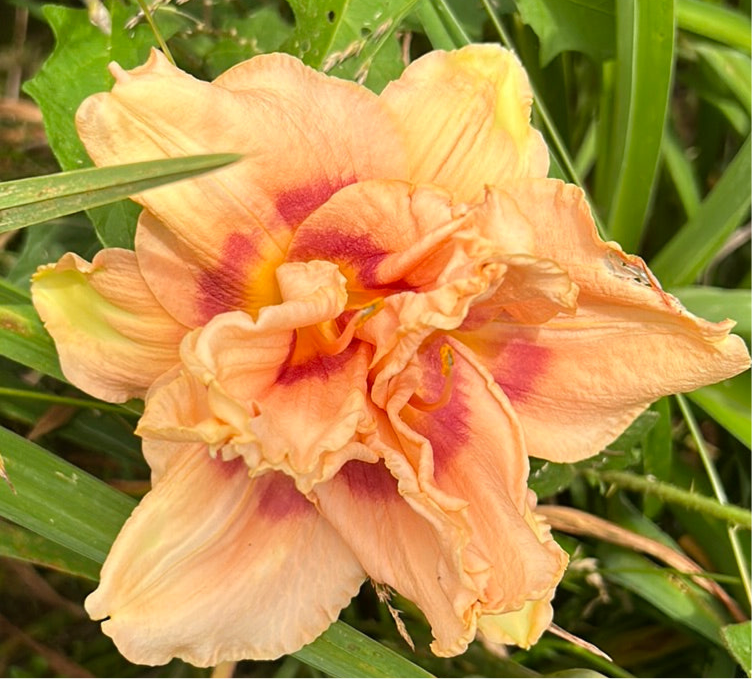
{"type": "Point", "coordinates": [296, 204]}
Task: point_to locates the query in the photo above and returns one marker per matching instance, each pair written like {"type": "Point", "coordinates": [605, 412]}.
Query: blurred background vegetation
{"type": "Point", "coordinates": [645, 103]}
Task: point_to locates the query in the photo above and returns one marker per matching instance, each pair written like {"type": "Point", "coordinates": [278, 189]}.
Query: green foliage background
{"type": "Point", "coordinates": [645, 103]}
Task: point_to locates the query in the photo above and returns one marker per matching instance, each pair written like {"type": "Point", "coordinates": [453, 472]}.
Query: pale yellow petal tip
{"type": "Point", "coordinates": [521, 628]}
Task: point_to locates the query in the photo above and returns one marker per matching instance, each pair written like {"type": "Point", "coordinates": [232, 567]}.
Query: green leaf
{"type": "Point", "coordinates": [682, 172]}
{"type": "Point", "coordinates": [713, 20]}
{"type": "Point", "coordinates": [586, 26]}
{"type": "Point", "coordinates": [684, 603]}
{"type": "Point", "coordinates": [576, 672]}
{"type": "Point", "coordinates": [730, 67]}
{"type": "Point", "coordinates": [20, 543]}
{"type": "Point", "coordinates": [23, 339]}
{"type": "Point", "coordinates": [729, 403]}
{"type": "Point", "coordinates": [79, 61]}
{"type": "Point", "coordinates": [645, 57]}
{"type": "Point", "coordinates": [55, 499]}
{"type": "Point", "coordinates": [243, 37]}
{"type": "Point", "coordinates": [657, 452]}
{"type": "Point", "coordinates": [697, 242]}
{"type": "Point", "coordinates": [738, 640]}
{"type": "Point", "coordinates": [718, 304]}
{"type": "Point", "coordinates": [342, 651]}
{"type": "Point", "coordinates": [441, 25]}
{"type": "Point", "coordinates": [351, 39]}
{"type": "Point", "coordinates": [39, 199]}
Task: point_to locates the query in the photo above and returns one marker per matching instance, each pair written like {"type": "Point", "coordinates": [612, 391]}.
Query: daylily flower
{"type": "Point", "coordinates": [349, 343]}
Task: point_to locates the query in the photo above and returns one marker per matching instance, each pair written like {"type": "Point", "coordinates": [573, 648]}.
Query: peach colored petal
{"type": "Point", "coordinates": [523, 627]}
{"type": "Point", "coordinates": [576, 382]}
{"type": "Point", "coordinates": [228, 229]}
{"type": "Point", "coordinates": [385, 235]}
{"type": "Point", "coordinates": [113, 337]}
{"type": "Point", "coordinates": [466, 120]}
{"type": "Point", "coordinates": [468, 443]}
{"type": "Point", "coordinates": [400, 548]}
{"type": "Point", "coordinates": [214, 566]}
{"type": "Point", "coordinates": [250, 388]}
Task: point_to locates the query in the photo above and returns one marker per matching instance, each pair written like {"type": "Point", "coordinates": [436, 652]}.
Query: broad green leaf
{"type": "Point", "coordinates": [39, 199]}
{"type": "Point", "coordinates": [23, 339]}
{"type": "Point", "coordinates": [549, 478]}
{"type": "Point", "coordinates": [681, 601]}
{"type": "Point", "coordinates": [729, 403]}
{"type": "Point", "coordinates": [697, 242]}
{"type": "Point", "coordinates": [738, 640]}
{"type": "Point", "coordinates": [581, 25]}
{"type": "Point", "coordinates": [76, 69]}
{"type": "Point", "coordinates": [243, 37]}
{"type": "Point", "coordinates": [715, 21]}
{"type": "Point", "coordinates": [351, 39]}
{"type": "Point", "coordinates": [645, 57]}
{"type": "Point", "coordinates": [342, 651]}
{"type": "Point", "coordinates": [59, 501]}
{"type": "Point", "coordinates": [20, 543]}
{"type": "Point", "coordinates": [718, 304]}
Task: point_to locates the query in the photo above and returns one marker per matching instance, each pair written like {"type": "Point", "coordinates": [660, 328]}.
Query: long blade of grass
{"type": "Point", "coordinates": [442, 28]}
{"type": "Point", "coordinates": [21, 543]}
{"type": "Point", "coordinates": [718, 304]}
{"type": "Point", "coordinates": [38, 199]}
{"type": "Point", "coordinates": [645, 57]}
{"type": "Point", "coordinates": [686, 604]}
{"type": "Point", "coordinates": [342, 651]}
{"type": "Point", "coordinates": [714, 21]}
{"type": "Point", "coordinates": [23, 339]}
{"type": "Point", "coordinates": [695, 245]}
{"type": "Point", "coordinates": [52, 498]}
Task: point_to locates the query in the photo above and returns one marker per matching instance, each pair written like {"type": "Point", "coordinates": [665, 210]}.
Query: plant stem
{"type": "Point", "coordinates": [719, 491]}
{"type": "Point", "coordinates": [668, 493]}
{"type": "Point", "coordinates": [61, 400]}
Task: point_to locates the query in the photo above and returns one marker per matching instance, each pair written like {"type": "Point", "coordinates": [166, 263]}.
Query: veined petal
{"type": "Point", "coordinates": [524, 626]}
{"type": "Point", "coordinates": [463, 440]}
{"type": "Point", "coordinates": [240, 376]}
{"type": "Point", "coordinates": [402, 549]}
{"type": "Point", "coordinates": [234, 224]}
{"type": "Point", "coordinates": [576, 382]}
{"type": "Point", "coordinates": [112, 335]}
{"type": "Point", "coordinates": [214, 566]}
{"type": "Point", "coordinates": [384, 235]}
{"type": "Point", "coordinates": [466, 120]}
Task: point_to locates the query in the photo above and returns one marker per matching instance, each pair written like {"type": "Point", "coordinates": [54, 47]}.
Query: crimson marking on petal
{"type": "Point", "coordinates": [222, 288]}
{"type": "Point", "coordinates": [296, 204]}
{"type": "Point", "coordinates": [358, 253]}
{"type": "Point", "coordinates": [369, 480]}
{"type": "Point", "coordinates": [446, 428]}
{"type": "Point", "coordinates": [318, 366]}
{"type": "Point", "coordinates": [280, 499]}
{"type": "Point", "coordinates": [517, 367]}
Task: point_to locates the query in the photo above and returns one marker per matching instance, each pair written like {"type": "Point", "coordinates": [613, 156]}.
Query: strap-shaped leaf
{"type": "Point", "coordinates": [38, 199]}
